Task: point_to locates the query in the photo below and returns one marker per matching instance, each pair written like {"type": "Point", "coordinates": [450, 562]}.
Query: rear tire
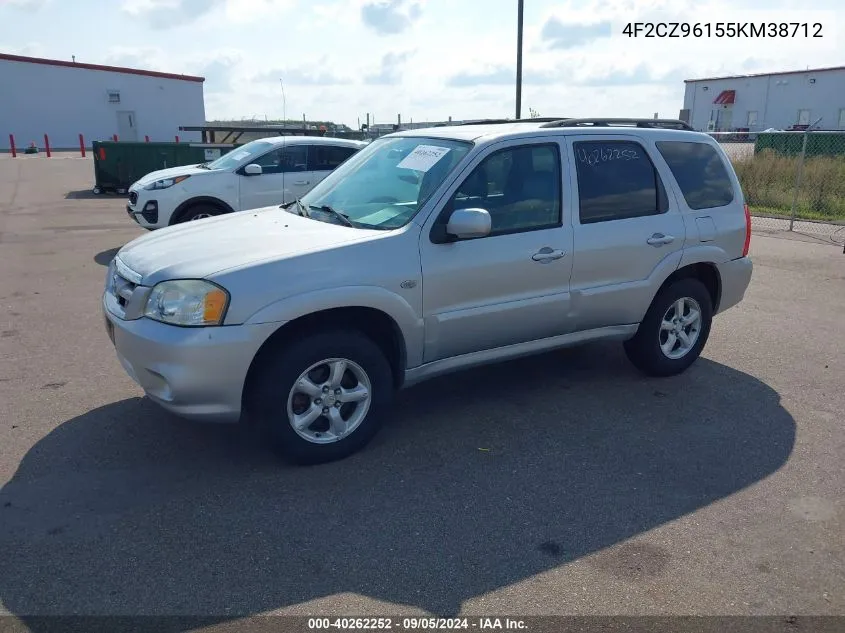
{"type": "Point", "coordinates": [305, 384]}
{"type": "Point", "coordinates": [674, 330]}
{"type": "Point", "coordinates": [197, 212]}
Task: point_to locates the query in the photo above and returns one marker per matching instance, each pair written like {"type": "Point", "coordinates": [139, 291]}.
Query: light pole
{"type": "Point", "coordinates": [519, 60]}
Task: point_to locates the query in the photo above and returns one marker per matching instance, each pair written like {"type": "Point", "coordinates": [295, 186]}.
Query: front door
{"type": "Point", "coordinates": [267, 188]}
{"type": "Point", "coordinates": [513, 285]}
{"type": "Point", "coordinates": [726, 119]}
{"type": "Point", "coordinates": [127, 126]}
{"type": "Point", "coordinates": [627, 228]}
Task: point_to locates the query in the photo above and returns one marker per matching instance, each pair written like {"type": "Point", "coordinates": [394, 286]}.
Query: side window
{"type": "Point", "coordinates": [700, 173]}
{"type": "Point", "coordinates": [271, 162]}
{"type": "Point", "coordinates": [520, 187]}
{"type": "Point", "coordinates": [327, 157]}
{"type": "Point", "coordinates": [617, 180]}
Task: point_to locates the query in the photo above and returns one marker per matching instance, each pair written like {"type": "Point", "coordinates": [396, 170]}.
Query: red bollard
{"type": "Point", "coordinates": [47, 145]}
{"type": "Point", "coordinates": [177, 138]}
{"type": "Point", "coordinates": [82, 146]}
{"type": "Point", "coordinates": [146, 138]}
{"type": "Point", "coordinates": [114, 138]}
{"type": "Point", "coordinates": [12, 145]}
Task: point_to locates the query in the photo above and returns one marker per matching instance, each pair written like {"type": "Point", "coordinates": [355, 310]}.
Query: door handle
{"type": "Point", "coordinates": [302, 182]}
{"type": "Point", "coordinates": [658, 239]}
{"type": "Point", "coordinates": [547, 254]}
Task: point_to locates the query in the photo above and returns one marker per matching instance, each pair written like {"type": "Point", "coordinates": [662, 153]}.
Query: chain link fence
{"type": "Point", "coordinates": [792, 180]}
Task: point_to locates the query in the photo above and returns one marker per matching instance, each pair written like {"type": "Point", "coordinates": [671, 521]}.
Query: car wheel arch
{"type": "Point", "coordinates": [376, 324]}
{"type": "Point", "coordinates": [705, 272]}
{"type": "Point", "coordinates": [196, 201]}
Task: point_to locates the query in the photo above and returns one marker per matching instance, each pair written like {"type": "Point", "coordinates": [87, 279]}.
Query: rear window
{"type": "Point", "coordinates": [700, 173]}
{"type": "Point", "coordinates": [617, 181]}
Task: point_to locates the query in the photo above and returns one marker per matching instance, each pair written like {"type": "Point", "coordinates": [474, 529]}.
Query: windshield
{"type": "Point", "coordinates": [386, 183]}
{"type": "Point", "coordinates": [238, 155]}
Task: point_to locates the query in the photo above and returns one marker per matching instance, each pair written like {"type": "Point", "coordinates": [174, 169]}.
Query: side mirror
{"type": "Point", "coordinates": [469, 223]}
{"type": "Point", "coordinates": [253, 170]}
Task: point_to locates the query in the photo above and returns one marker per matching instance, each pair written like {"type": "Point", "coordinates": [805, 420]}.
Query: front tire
{"type": "Point", "coordinates": [322, 397]}
{"type": "Point", "coordinates": [197, 212]}
{"type": "Point", "coordinates": [674, 330]}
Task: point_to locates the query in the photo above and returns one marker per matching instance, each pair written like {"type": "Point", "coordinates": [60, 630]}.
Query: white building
{"type": "Point", "coordinates": [771, 100]}
{"type": "Point", "coordinates": [65, 99]}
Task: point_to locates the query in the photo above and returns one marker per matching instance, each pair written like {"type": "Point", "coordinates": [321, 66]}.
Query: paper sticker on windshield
{"type": "Point", "coordinates": [423, 157]}
{"type": "Point", "coordinates": [239, 155]}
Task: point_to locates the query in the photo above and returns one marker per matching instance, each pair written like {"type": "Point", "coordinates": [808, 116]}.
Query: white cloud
{"type": "Point", "coordinates": [27, 5]}
{"type": "Point", "coordinates": [30, 49]}
{"type": "Point", "coordinates": [247, 11]}
{"type": "Point", "coordinates": [390, 17]}
{"type": "Point", "coordinates": [167, 14]}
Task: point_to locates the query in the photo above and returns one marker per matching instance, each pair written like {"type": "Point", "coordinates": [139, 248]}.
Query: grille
{"type": "Point", "coordinates": [123, 289]}
{"type": "Point", "coordinates": [123, 284]}
{"type": "Point", "coordinates": [133, 197]}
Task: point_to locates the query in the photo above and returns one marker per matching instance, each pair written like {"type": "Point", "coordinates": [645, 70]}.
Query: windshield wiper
{"type": "Point", "coordinates": [204, 165]}
{"type": "Point", "coordinates": [327, 209]}
{"type": "Point", "coordinates": [301, 209]}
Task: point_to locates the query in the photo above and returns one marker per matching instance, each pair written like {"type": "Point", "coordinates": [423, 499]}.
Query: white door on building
{"type": "Point", "coordinates": [127, 126]}
{"type": "Point", "coordinates": [803, 117]}
{"type": "Point", "coordinates": [726, 116]}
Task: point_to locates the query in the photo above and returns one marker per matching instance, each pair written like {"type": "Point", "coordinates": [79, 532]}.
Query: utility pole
{"type": "Point", "coordinates": [520, 4]}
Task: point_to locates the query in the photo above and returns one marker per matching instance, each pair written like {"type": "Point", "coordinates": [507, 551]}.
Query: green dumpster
{"type": "Point", "coordinates": [790, 144]}
{"type": "Point", "coordinates": [118, 164]}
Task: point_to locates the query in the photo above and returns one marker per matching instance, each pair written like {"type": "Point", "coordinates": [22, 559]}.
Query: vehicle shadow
{"type": "Point", "coordinates": [483, 479]}
{"type": "Point", "coordinates": [88, 194]}
{"type": "Point", "coordinates": [104, 258]}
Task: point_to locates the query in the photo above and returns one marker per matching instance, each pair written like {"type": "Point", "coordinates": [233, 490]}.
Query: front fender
{"type": "Point", "coordinates": [375, 297]}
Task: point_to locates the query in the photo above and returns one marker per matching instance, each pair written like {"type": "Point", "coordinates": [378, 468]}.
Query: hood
{"type": "Point", "coordinates": [200, 249]}
{"type": "Point", "coordinates": [171, 172]}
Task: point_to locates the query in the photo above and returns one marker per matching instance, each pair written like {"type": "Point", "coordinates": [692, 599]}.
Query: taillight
{"type": "Point", "coordinates": [747, 232]}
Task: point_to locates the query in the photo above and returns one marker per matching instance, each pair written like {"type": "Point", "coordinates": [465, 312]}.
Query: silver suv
{"type": "Point", "coordinates": [427, 252]}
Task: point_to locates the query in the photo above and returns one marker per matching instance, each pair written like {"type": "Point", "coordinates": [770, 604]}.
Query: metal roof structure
{"type": "Point", "coordinates": [111, 69]}
{"type": "Point", "coordinates": [783, 72]}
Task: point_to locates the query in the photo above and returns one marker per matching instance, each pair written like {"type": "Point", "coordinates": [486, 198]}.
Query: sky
{"type": "Point", "coordinates": [424, 59]}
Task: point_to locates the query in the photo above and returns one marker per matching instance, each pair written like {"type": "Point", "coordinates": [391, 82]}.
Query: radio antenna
{"type": "Point", "coordinates": [284, 102]}
{"type": "Point", "coordinates": [284, 125]}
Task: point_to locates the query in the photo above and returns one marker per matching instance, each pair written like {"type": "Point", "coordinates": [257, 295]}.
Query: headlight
{"type": "Point", "coordinates": [164, 183]}
{"type": "Point", "coordinates": [189, 302]}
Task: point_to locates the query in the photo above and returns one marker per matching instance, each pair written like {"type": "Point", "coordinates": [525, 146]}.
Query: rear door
{"type": "Point", "coordinates": [628, 229]}
{"type": "Point", "coordinates": [297, 179]}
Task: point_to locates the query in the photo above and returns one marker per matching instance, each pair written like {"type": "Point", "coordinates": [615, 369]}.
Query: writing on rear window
{"type": "Point", "coordinates": [605, 154]}
{"type": "Point", "coordinates": [616, 180]}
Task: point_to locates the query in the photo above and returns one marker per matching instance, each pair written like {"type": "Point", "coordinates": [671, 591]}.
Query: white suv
{"type": "Point", "coordinates": [265, 172]}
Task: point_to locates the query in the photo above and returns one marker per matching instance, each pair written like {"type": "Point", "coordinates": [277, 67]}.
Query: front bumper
{"type": "Point", "coordinates": [736, 277]}
{"type": "Point", "coordinates": [147, 212]}
{"type": "Point", "coordinates": [196, 373]}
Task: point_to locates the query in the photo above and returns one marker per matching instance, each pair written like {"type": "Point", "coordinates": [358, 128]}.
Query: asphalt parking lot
{"type": "Point", "coordinates": [564, 484]}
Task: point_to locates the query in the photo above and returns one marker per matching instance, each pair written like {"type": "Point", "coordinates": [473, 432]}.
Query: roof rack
{"type": "Point", "coordinates": [548, 119]}
{"type": "Point", "coordinates": [668, 124]}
